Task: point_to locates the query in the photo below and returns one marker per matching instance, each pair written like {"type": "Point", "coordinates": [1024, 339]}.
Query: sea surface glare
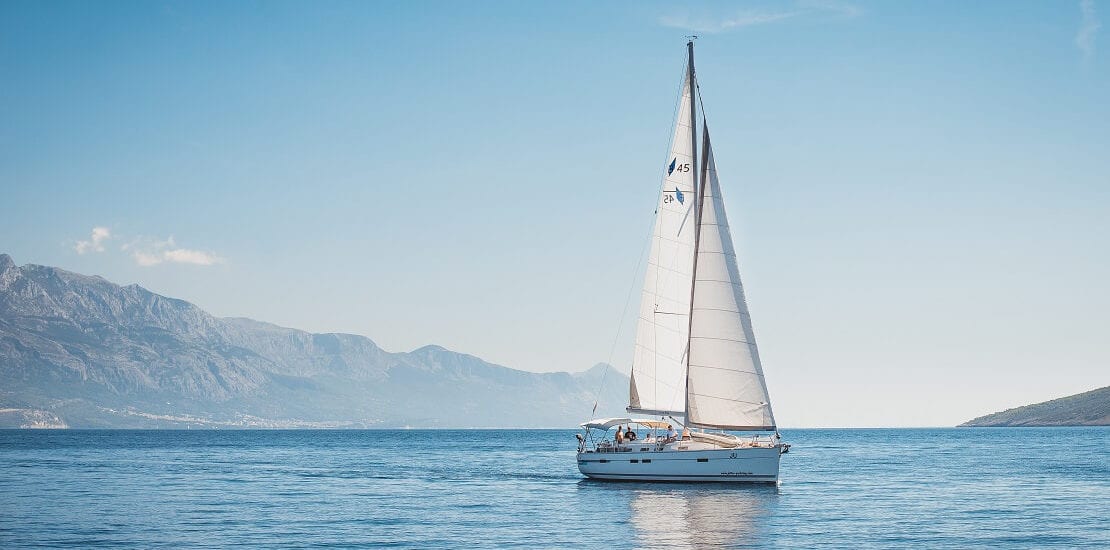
{"type": "Point", "coordinates": [925, 488]}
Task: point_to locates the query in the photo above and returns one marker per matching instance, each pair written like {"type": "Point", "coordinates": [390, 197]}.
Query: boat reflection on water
{"type": "Point", "coordinates": [701, 516]}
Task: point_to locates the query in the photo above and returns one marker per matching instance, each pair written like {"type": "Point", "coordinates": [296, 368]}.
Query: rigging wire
{"type": "Point", "coordinates": [701, 102]}
{"type": "Point", "coordinates": [651, 228]}
{"type": "Point", "coordinates": [624, 313]}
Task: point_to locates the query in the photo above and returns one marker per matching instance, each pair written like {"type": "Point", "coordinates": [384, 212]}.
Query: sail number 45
{"type": "Point", "coordinates": [682, 167]}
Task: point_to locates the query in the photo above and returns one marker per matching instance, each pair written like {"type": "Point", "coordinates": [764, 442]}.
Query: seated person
{"type": "Point", "coordinates": [629, 434]}
{"type": "Point", "coordinates": [671, 434]}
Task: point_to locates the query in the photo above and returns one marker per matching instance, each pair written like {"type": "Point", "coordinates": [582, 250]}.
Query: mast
{"type": "Point", "coordinates": [698, 193]}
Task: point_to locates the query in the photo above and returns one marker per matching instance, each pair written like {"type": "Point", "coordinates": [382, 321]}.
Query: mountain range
{"type": "Point", "coordinates": [79, 351]}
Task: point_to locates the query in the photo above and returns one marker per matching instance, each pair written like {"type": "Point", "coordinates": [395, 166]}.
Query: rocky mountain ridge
{"type": "Point", "coordinates": [80, 351]}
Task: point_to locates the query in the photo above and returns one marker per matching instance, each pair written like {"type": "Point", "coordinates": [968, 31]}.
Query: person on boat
{"type": "Point", "coordinates": [671, 434]}
{"type": "Point", "coordinates": [685, 433]}
{"type": "Point", "coordinates": [619, 436]}
{"type": "Point", "coordinates": [629, 434]}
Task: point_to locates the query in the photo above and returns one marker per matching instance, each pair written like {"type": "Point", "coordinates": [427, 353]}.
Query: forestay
{"type": "Point", "coordinates": [658, 383]}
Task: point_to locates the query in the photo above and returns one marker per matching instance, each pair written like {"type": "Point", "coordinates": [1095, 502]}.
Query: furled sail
{"type": "Point", "coordinates": [726, 386]}
{"type": "Point", "coordinates": [662, 329]}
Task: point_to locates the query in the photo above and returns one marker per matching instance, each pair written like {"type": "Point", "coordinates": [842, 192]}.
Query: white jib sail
{"type": "Point", "coordinates": [659, 364]}
{"type": "Point", "coordinates": [726, 385]}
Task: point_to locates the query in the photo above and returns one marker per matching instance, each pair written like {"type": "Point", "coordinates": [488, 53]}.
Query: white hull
{"type": "Point", "coordinates": [743, 464]}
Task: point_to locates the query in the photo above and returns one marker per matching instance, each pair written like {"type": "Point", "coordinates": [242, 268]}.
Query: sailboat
{"type": "Point", "coordinates": [695, 365]}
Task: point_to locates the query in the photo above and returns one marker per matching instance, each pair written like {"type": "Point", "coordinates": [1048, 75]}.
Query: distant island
{"type": "Point", "coordinates": [79, 351]}
{"type": "Point", "coordinates": [1085, 409]}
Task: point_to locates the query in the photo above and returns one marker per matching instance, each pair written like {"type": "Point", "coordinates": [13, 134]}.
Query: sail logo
{"type": "Point", "coordinates": [676, 195]}
{"type": "Point", "coordinates": [674, 166]}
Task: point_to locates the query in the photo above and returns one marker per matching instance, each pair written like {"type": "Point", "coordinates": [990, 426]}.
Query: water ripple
{"type": "Point", "coordinates": [945, 488]}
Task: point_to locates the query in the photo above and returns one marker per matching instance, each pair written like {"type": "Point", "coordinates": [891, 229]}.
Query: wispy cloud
{"type": "Point", "coordinates": [832, 8]}
{"type": "Point", "coordinates": [1088, 28]}
{"type": "Point", "coordinates": [149, 252]}
{"type": "Point", "coordinates": [716, 23]}
{"type": "Point", "coordinates": [95, 242]}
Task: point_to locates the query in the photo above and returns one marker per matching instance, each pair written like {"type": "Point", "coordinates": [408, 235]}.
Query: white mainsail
{"type": "Point", "coordinates": [658, 383]}
{"type": "Point", "coordinates": [726, 387]}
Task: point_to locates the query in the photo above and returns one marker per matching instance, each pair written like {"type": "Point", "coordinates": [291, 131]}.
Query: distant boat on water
{"type": "Point", "coordinates": [696, 366]}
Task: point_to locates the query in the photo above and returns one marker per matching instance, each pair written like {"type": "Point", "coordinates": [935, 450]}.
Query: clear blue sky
{"type": "Point", "coordinates": [920, 191]}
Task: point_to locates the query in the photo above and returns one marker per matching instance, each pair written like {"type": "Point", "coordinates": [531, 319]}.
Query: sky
{"type": "Point", "coordinates": [919, 192]}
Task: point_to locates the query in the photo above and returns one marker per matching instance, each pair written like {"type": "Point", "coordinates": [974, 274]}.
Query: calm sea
{"type": "Point", "coordinates": [928, 488]}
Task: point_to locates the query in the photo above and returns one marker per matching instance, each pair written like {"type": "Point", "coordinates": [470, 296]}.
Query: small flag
{"type": "Point", "coordinates": [678, 195]}
{"type": "Point", "coordinates": [671, 167]}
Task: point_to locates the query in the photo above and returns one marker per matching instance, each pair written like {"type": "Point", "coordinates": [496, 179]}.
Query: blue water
{"type": "Point", "coordinates": [929, 488]}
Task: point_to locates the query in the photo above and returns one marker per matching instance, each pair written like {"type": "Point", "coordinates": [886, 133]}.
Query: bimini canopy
{"type": "Point", "coordinates": [657, 424]}
{"type": "Point", "coordinates": [604, 423]}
